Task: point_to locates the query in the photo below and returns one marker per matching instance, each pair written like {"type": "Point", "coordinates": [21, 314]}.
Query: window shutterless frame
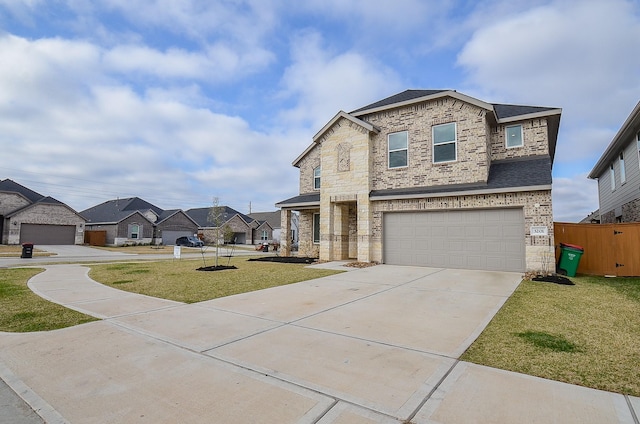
{"type": "Point", "coordinates": [612, 175]}
{"type": "Point", "coordinates": [316, 178]}
{"type": "Point", "coordinates": [623, 171]}
{"type": "Point", "coordinates": [445, 143]}
{"type": "Point", "coordinates": [316, 228]}
{"type": "Point", "coordinates": [398, 149]}
{"type": "Point", "coordinates": [514, 136]}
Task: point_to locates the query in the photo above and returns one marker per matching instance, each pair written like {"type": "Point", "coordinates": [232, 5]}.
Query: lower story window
{"type": "Point", "coordinates": [134, 231]}
{"type": "Point", "coordinates": [316, 228]}
{"type": "Point", "coordinates": [264, 235]}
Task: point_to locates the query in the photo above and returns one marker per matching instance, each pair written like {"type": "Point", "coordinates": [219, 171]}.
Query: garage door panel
{"type": "Point", "coordinates": [491, 239]}
{"type": "Point", "coordinates": [47, 234]}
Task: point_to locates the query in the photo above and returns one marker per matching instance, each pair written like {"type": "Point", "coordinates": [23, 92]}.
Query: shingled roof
{"type": "Point", "coordinates": [11, 186]}
{"type": "Point", "coordinates": [116, 210]}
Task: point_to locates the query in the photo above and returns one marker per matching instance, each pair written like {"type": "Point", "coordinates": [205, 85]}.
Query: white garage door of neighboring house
{"type": "Point", "coordinates": [169, 237]}
{"type": "Point", "coordinates": [47, 234]}
{"type": "Point", "coordinates": [487, 239]}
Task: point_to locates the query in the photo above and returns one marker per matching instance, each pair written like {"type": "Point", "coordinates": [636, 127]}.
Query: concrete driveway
{"type": "Point", "coordinates": [378, 344]}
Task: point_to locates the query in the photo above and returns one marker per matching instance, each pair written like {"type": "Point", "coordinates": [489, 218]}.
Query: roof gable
{"type": "Point", "coordinates": [201, 216]}
{"type": "Point", "coordinates": [13, 187]}
{"type": "Point", "coordinates": [118, 209]}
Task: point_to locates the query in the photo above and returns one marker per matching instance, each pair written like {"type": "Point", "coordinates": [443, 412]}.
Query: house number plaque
{"type": "Point", "coordinates": [539, 231]}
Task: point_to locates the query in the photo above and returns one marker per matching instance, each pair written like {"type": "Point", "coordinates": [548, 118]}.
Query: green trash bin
{"type": "Point", "coordinates": [570, 255]}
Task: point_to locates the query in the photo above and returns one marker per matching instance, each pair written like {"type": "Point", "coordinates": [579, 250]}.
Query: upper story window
{"type": "Point", "coordinates": [398, 149]}
{"type": "Point", "coordinates": [623, 174]}
{"type": "Point", "coordinates": [612, 175]}
{"type": "Point", "coordinates": [514, 136]}
{"type": "Point", "coordinates": [316, 178]}
{"type": "Point", "coordinates": [444, 143]}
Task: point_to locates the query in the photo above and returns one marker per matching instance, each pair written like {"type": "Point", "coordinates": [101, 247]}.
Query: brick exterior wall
{"type": "Point", "coordinates": [534, 135]}
{"type": "Point", "coordinates": [10, 202]}
{"type": "Point", "coordinates": [43, 213]}
{"type": "Point", "coordinates": [146, 230]}
{"type": "Point", "coordinates": [355, 161]}
{"type": "Point", "coordinates": [177, 222]}
{"type": "Point", "coordinates": [473, 144]}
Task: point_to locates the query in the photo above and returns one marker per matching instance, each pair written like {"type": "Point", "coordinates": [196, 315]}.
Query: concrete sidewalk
{"type": "Point", "coordinates": [378, 344]}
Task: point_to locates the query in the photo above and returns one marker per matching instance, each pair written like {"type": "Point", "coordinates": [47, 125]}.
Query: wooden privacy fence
{"type": "Point", "coordinates": [95, 238]}
{"type": "Point", "coordinates": [609, 249]}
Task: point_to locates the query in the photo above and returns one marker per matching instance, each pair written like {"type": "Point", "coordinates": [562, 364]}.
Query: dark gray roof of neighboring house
{"type": "Point", "coordinates": [303, 198]}
{"type": "Point", "coordinates": [398, 98]}
{"type": "Point", "coordinates": [505, 174]}
{"type": "Point", "coordinates": [118, 209]}
{"type": "Point", "coordinates": [11, 186]}
{"type": "Point", "coordinates": [201, 216]}
{"type": "Point", "coordinates": [272, 218]}
{"type": "Point", "coordinates": [508, 111]}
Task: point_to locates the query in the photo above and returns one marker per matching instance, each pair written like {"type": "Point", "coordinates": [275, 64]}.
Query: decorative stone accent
{"type": "Point", "coordinates": [630, 211]}
{"type": "Point", "coordinates": [608, 217]}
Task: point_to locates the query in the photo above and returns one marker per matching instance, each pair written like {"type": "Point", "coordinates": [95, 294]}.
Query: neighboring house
{"type": "Point", "coordinates": [246, 230]}
{"type": "Point", "coordinates": [29, 217]}
{"type": "Point", "coordinates": [126, 221]}
{"type": "Point", "coordinates": [136, 221]}
{"type": "Point", "coordinates": [274, 219]}
{"type": "Point", "coordinates": [618, 174]}
{"type": "Point", "coordinates": [592, 218]}
{"type": "Point", "coordinates": [430, 178]}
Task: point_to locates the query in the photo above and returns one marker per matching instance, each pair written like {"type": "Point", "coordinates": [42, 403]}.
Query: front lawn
{"type": "Point", "coordinates": [179, 280]}
{"type": "Point", "coordinates": [587, 334]}
{"type": "Point", "coordinates": [21, 310]}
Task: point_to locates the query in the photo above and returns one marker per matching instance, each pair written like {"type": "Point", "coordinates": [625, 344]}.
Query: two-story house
{"type": "Point", "coordinates": [618, 174]}
{"type": "Point", "coordinates": [430, 178]}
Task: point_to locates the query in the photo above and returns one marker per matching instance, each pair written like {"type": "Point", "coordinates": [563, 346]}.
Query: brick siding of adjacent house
{"type": "Point", "coordinates": [48, 214]}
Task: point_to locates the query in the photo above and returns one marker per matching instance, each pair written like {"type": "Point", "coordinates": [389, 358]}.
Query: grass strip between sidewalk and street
{"type": "Point", "coordinates": [180, 281]}
{"type": "Point", "coordinates": [587, 334]}
{"type": "Point", "coordinates": [21, 310]}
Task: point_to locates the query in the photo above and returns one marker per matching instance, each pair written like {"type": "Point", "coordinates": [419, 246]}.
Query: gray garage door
{"type": "Point", "coordinates": [488, 239]}
{"type": "Point", "coordinates": [47, 234]}
{"type": "Point", "coordinates": [169, 237]}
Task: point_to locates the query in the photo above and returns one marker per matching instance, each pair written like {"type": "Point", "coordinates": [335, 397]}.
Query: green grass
{"type": "Point", "coordinates": [180, 281]}
{"type": "Point", "coordinates": [587, 334]}
{"type": "Point", "coordinates": [22, 311]}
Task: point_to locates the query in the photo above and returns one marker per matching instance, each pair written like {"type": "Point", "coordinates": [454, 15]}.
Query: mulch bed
{"type": "Point", "coordinates": [286, 259]}
{"type": "Point", "coordinates": [215, 268]}
{"type": "Point", "coordinates": [557, 279]}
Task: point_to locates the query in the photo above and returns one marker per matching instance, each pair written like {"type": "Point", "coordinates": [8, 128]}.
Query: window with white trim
{"type": "Point", "coordinates": [134, 231]}
{"type": "Point", "coordinates": [398, 148]}
{"type": "Point", "coordinates": [514, 137]}
{"type": "Point", "coordinates": [445, 143]}
{"type": "Point", "coordinates": [316, 228]}
{"type": "Point", "coordinates": [612, 175]}
{"type": "Point", "coordinates": [264, 235]}
{"type": "Point", "coordinates": [623, 173]}
{"type": "Point", "coordinates": [316, 178]}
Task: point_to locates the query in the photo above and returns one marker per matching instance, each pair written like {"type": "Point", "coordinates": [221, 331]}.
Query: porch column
{"type": "Point", "coordinates": [365, 226]}
{"type": "Point", "coordinates": [285, 232]}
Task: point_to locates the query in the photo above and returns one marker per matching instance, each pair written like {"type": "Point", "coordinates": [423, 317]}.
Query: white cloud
{"type": "Point", "coordinates": [326, 83]}
{"type": "Point", "coordinates": [574, 198]}
{"type": "Point", "coordinates": [92, 138]}
{"type": "Point", "coordinates": [564, 52]}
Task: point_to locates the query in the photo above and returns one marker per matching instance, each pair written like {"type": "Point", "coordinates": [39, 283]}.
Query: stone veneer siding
{"type": "Point", "coordinates": [631, 211]}
{"type": "Point", "coordinates": [608, 217]}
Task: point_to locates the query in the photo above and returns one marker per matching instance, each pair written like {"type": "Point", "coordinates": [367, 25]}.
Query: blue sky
{"type": "Point", "coordinates": [180, 101]}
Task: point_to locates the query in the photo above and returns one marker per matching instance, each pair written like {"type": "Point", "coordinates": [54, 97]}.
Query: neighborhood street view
{"type": "Point", "coordinates": [391, 212]}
